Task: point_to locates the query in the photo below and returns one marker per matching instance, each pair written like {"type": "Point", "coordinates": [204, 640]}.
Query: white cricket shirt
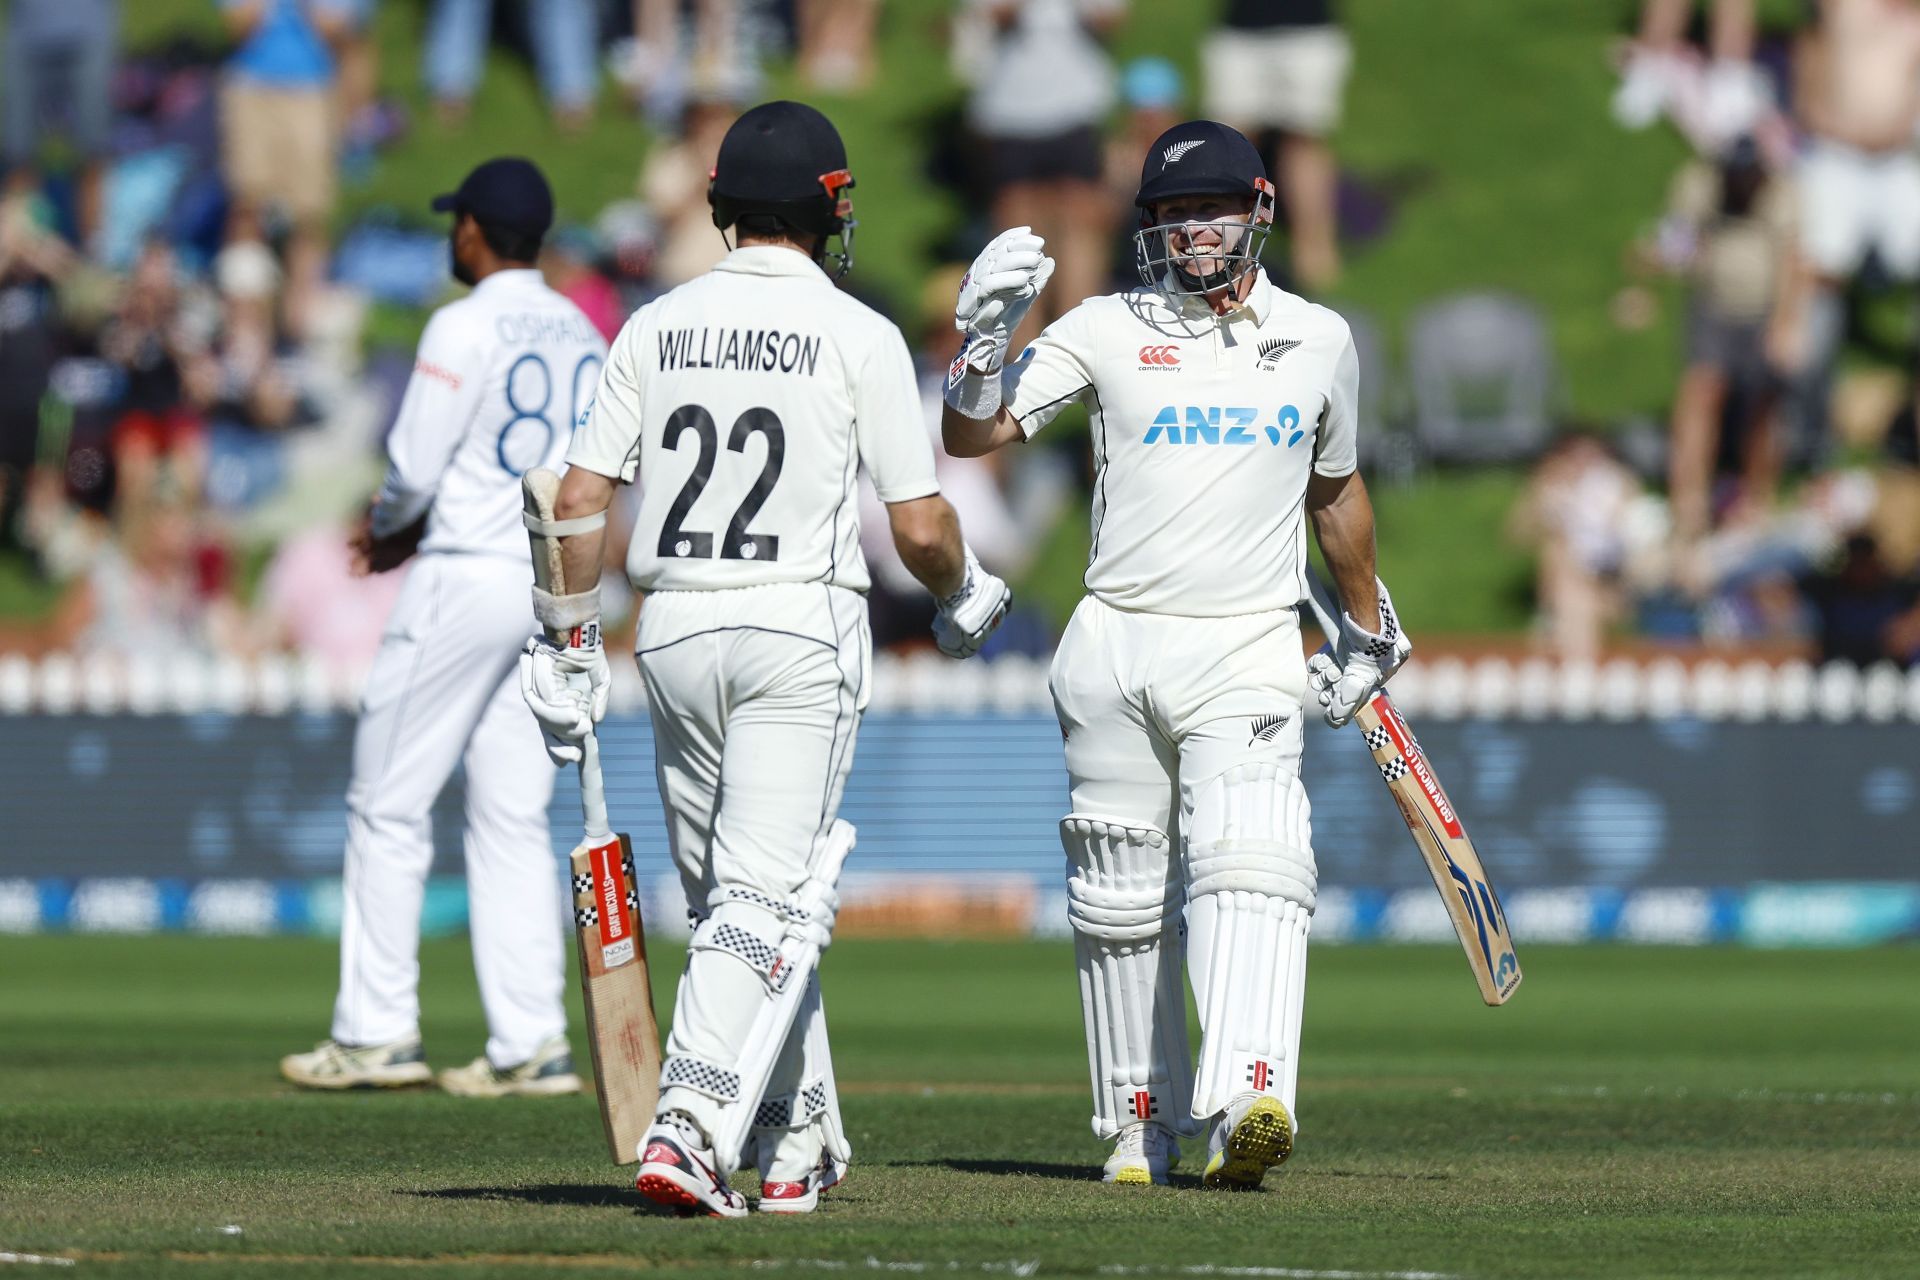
{"type": "Point", "coordinates": [1204, 431]}
{"type": "Point", "coordinates": [744, 402]}
{"type": "Point", "coordinates": [501, 376]}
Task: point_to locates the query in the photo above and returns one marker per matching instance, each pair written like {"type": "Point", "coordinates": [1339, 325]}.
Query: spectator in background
{"type": "Point", "coordinates": [1282, 65]}
{"type": "Point", "coordinates": [835, 39]}
{"type": "Point", "coordinates": [658, 68]}
{"type": "Point", "coordinates": [56, 79]}
{"type": "Point", "coordinates": [32, 260]}
{"type": "Point", "coordinates": [1155, 101]}
{"type": "Point", "coordinates": [1660, 74]}
{"type": "Point", "coordinates": [1866, 613]}
{"type": "Point", "coordinates": [1577, 511]}
{"type": "Point", "coordinates": [1039, 102]}
{"type": "Point", "coordinates": [161, 588]}
{"type": "Point", "coordinates": [1858, 94]}
{"type": "Point", "coordinates": [564, 36]}
{"type": "Point", "coordinates": [278, 135]}
{"type": "Point", "coordinates": [1732, 229]}
{"type": "Point", "coordinates": [570, 262]}
{"type": "Point", "coordinates": [313, 603]}
{"type": "Point", "coordinates": [673, 182]}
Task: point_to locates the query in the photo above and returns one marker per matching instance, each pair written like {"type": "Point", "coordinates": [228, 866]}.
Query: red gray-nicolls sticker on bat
{"type": "Point", "coordinates": [1416, 760]}
{"type": "Point", "coordinates": [610, 895]}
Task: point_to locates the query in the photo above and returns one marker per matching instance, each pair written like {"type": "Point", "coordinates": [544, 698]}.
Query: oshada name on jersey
{"type": "Point", "coordinates": [754, 350]}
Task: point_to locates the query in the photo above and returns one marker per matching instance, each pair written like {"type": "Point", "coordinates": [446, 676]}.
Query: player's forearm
{"type": "Point", "coordinates": [1342, 516]}
{"type": "Point", "coordinates": [583, 493]}
{"type": "Point", "coordinates": [926, 533]}
{"type": "Point", "coordinates": [966, 437]}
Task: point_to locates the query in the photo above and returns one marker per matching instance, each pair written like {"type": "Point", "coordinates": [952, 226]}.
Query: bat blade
{"type": "Point", "coordinates": [618, 993]}
{"type": "Point", "coordinates": [1446, 848]}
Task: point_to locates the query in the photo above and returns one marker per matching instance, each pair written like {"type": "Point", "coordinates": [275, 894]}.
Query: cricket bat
{"type": "Point", "coordinates": [1437, 830]}
{"type": "Point", "coordinates": [614, 981]}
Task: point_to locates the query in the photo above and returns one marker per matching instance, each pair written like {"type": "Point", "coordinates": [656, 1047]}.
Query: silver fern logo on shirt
{"type": "Point", "coordinates": [1272, 349]}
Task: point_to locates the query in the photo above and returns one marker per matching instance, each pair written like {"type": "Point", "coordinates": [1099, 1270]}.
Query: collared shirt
{"type": "Point", "coordinates": [501, 377]}
{"type": "Point", "coordinates": [744, 403]}
{"type": "Point", "coordinates": [1205, 430]}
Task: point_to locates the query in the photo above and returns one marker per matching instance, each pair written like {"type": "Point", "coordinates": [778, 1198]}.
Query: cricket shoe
{"type": "Point", "coordinates": [1254, 1135]}
{"type": "Point", "coordinates": [801, 1195]}
{"type": "Point", "coordinates": [333, 1065]}
{"type": "Point", "coordinates": [1142, 1155]}
{"type": "Point", "coordinates": [678, 1171]}
{"type": "Point", "coordinates": [548, 1073]}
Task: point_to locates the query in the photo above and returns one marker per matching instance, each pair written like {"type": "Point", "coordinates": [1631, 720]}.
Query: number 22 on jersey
{"type": "Point", "coordinates": [677, 542]}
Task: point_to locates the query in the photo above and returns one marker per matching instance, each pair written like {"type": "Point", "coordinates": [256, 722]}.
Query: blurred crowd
{"type": "Point", "coordinates": [1791, 508]}
{"type": "Point", "coordinates": [190, 406]}
{"type": "Point", "coordinates": [188, 417]}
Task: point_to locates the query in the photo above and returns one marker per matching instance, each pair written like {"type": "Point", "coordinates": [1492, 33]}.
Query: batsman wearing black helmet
{"type": "Point", "coordinates": [1223, 416]}
{"type": "Point", "coordinates": [745, 402]}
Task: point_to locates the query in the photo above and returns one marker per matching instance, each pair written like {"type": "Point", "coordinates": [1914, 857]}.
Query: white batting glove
{"type": "Point", "coordinates": [1360, 664]}
{"type": "Point", "coordinates": [567, 687]}
{"type": "Point", "coordinates": [969, 615]}
{"type": "Point", "coordinates": [996, 292]}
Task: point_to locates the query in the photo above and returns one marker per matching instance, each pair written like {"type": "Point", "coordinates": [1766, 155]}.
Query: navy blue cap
{"type": "Point", "coordinates": [509, 193]}
{"type": "Point", "coordinates": [1200, 158]}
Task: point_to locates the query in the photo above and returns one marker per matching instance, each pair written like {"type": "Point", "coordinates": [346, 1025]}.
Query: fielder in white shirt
{"type": "Point", "coordinates": [500, 377]}
{"type": "Point", "coordinates": [744, 403]}
{"type": "Point", "coordinates": [1223, 415]}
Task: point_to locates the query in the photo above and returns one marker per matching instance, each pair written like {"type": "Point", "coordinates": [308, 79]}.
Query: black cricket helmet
{"type": "Point", "coordinates": [1201, 158]}
{"type": "Point", "coordinates": [784, 160]}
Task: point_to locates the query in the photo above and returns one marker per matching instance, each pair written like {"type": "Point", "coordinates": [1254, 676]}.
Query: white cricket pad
{"type": "Point", "coordinates": [794, 1126]}
{"type": "Point", "coordinates": [1250, 894]}
{"type": "Point", "coordinates": [1125, 908]}
{"type": "Point", "coordinates": [775, 948]}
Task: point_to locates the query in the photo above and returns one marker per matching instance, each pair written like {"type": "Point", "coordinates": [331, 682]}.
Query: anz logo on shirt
{"type": "Point", "coordinates": [1218, 425]}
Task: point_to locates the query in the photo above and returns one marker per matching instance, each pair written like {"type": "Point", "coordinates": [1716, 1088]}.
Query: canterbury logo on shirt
{"type": "Point", "coordinates": [1166, 354]}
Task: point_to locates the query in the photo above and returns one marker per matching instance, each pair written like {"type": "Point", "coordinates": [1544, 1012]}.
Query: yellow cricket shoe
{"type": "Point", "coordinates": [1142, 1155]}
{"type": "Point", "coordinates": [332, 1065]}
{"type": "Point", "coordinates": [1252, 1137]}
{"type": "Point", "coordinates": [548, 1073]}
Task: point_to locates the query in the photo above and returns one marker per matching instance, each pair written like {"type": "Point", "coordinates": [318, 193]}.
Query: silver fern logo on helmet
{"type": "Point", "coordinates": [1173, 153]}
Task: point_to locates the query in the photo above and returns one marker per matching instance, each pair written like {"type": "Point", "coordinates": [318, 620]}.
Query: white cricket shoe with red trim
{"type": "Point", "coordinates": [678, 1171]}
{"type": "Point", "coordinates": [802, 1194]}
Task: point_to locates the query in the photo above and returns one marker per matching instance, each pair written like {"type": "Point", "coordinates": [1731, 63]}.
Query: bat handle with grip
{"type": "Point", "coordinates": [593, 791]}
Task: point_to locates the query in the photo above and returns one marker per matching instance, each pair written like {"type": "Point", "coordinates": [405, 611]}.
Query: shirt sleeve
{"type": "Point", "coordinates": [443, 394]}
{"type": "Point", "coordinates": [1335, 451]}
{"type": "Point", "coordinates": [889, 423]}
{"type": "Point", "coordinates": [607, 439]}
{"type": "Point", "coordinates": [1057, 370]}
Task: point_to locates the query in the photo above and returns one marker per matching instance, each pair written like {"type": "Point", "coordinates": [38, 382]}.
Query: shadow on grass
{"type": "Point", "coordinates": [592, 1196]}
{"type": "Point", "coordinates": [1087, 1173]}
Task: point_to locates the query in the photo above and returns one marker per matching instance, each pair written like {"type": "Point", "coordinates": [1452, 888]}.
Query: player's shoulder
{"type": "Point", "coordinates": [1298, 311]}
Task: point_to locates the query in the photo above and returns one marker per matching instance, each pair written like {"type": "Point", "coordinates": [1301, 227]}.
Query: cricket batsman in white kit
{"type": "Point", "coordinates": [1223, 415]}
{"type": "Point", "coordinates": [744, 404]}
{"type": "Point", "coordinates": [500, 376]}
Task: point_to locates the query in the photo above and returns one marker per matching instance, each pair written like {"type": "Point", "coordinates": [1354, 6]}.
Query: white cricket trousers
{"type": "Point", "coordinates": [445, 691]}
{"type": "Point", "coordinates": [1154, 706]}
{"type": "Point", "coordinates": [756, 695]}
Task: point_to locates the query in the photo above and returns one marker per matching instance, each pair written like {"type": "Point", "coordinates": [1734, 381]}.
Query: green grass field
{"type": "Point", "coordinates": [1634, 1113]}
